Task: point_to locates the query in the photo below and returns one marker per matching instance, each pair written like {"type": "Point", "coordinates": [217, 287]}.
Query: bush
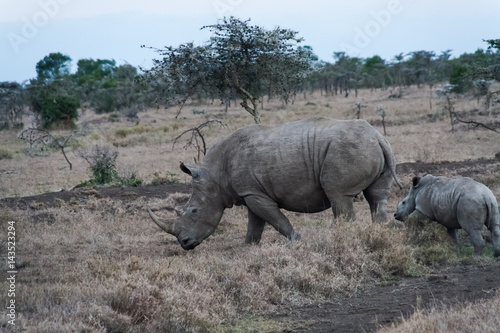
{"type": "Point", "coordinates": [170, 178]}
{"type": "Point", "coordinates": [104, 102]}
{"type": "Point", "coordinates": [5, 154]}
{"type": "Point", "coordinates": [131, 112]}
{"type": "Point", "coordinates": [55, 108]}
{"type": "Point", "coordinates": [131, 181]}
{"type": "Point", "coordinates": [121, 133]}
{"type": "Point", "coordinates": [102, 161]}
{"type": "Point", "coordinates": [460, 78]}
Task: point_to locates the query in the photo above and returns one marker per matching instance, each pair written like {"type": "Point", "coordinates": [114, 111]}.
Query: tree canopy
{"type": "Point", "coordinates": [239, 58]}
{"type": "Point", "coordinates": [53, 66]}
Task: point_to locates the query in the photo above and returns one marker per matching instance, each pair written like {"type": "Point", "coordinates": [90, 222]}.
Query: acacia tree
{"type": "Point", "coordinates": [240, 59]}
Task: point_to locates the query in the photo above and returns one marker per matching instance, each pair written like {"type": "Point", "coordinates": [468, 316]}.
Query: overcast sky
{"type": "Point", "coordinates": [102, 29]}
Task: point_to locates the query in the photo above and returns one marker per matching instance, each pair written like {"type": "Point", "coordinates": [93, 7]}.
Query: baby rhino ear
{"type": "Point", "coordinates": [415, 181]}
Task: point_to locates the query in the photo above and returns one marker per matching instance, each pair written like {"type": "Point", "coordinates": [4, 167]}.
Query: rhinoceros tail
{"type": "Point", "coordinates": [389, 158]}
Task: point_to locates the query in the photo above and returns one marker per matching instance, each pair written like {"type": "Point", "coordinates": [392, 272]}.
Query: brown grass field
{"type": "Point", "coordinates": [99, 264]}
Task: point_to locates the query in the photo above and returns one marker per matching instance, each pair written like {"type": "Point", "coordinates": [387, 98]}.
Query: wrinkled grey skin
{"type": "Point", "coordinates": [454, 203]}
{"type": "Point", "coordinates": [303, 166]}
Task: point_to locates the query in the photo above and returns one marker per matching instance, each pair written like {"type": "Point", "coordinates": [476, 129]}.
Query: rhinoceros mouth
{"type": "Point", "coordinates": [188, 244]}
{"type": "Point", "coordinates": [398, 217]}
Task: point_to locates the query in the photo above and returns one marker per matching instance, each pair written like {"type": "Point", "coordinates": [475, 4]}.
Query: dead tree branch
{"type": "Point", "coordinates": [196, 137]}
{"type": "Point", "coordinates": [37, 136]}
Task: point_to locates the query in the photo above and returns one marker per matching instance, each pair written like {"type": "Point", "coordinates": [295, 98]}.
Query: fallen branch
{"type": "Point", "coordinates": [472, 122]}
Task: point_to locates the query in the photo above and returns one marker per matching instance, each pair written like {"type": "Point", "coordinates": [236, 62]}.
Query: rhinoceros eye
{"type": "Point", "coordinates": [404, 202]}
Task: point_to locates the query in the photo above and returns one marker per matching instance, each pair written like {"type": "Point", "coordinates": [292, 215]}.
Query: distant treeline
{"type": "Point", "coordinates": [415, 68]}
{"type": "Point", "coordinates": [56, 93]}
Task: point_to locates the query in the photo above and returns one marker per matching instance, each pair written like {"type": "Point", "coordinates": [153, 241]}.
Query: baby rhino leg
{"type": "Point", "coordinates": [471, 219]}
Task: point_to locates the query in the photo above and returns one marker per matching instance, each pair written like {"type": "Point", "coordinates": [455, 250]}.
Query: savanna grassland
{"type": "Point", "coordinates": [101, 265]}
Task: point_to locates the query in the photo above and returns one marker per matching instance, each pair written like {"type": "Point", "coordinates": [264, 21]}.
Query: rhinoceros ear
{"type": "Point", "coordinates": [415, 181]}
{"type": "Point", "coordinates": [193, 171]}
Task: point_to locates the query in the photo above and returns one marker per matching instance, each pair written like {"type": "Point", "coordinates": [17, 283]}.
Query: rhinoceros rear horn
{"type": "Point", "coordinates": [167, 226]}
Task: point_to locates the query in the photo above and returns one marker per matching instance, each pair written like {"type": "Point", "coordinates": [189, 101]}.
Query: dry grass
{"type": "Point", "coordinates": [103, 267]}
{"type": "Point", "coordinates": [478, 317]}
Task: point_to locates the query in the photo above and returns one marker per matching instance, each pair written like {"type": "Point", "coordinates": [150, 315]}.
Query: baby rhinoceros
{"type": "Point", "coordinates": [454, 203]}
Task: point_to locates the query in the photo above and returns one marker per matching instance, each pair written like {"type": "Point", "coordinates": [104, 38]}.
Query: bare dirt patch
{"type": "Point", "coordinates": [381, 305]}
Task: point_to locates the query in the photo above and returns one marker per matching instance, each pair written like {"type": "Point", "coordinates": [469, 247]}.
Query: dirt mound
{"type": "Point", "coordinates": [81, 195]}
{"type": "Point", "coordinates": [470, 168]}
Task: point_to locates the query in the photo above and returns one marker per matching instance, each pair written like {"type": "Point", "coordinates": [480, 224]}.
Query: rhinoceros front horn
{"type": "Point", "coordinates": [168, 226]}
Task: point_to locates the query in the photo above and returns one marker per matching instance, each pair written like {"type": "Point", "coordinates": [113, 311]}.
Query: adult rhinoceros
{"type": "Point", "coordinates": [302, 166]}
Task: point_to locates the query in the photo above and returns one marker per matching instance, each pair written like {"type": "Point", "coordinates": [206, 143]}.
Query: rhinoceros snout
{"type": "Point", "coordinates": [188, 243]}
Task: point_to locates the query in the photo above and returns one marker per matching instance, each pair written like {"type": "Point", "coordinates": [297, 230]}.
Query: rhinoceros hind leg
{"type": "Point", "coordinates": [342, 206]}
{"type": "Point", "coordinates": [477, 241]}
{"type": "Point", "coordinates": [255, 228]}
{"type": "Point", "coordinates": [268, 210]}
{"type": "Point", "coordinates": [495, 237]}
{"type": "Point", "coordinates": [377, 194]}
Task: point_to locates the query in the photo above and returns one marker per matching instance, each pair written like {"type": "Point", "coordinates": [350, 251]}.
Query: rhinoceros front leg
{"type": "Point", "coordinates": [417, 215]}
{"type": "Point", "coordinates": [266, 209]}
{"type": "Point", "coordinates": [453, 232]}
{"type": "Point", "coordinates": [255, 228]}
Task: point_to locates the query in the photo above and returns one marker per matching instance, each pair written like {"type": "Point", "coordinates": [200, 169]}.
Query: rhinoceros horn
{"type": "Point", "coordinates": [167, 225]}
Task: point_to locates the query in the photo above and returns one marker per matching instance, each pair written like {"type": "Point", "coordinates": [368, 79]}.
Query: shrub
{"type": "Point", "coordinates": [121, 133]}
{"type": "Point", "coordinates": [5, 154]}
{"type": "Point", "coordinates": [131, 112]}
{"type": "Point", "coordinates": [130, 181]}
{"type": "Point", "coordinates": [170, 178]}
{"type": "Point", "coordinates": [460, 78]}
{"type": "Point", "coordinates": [102, 161]}
{"type": "Point", "coordinates": [104, 101]}
{"type": "Point", "coordinates": [55, 108]}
